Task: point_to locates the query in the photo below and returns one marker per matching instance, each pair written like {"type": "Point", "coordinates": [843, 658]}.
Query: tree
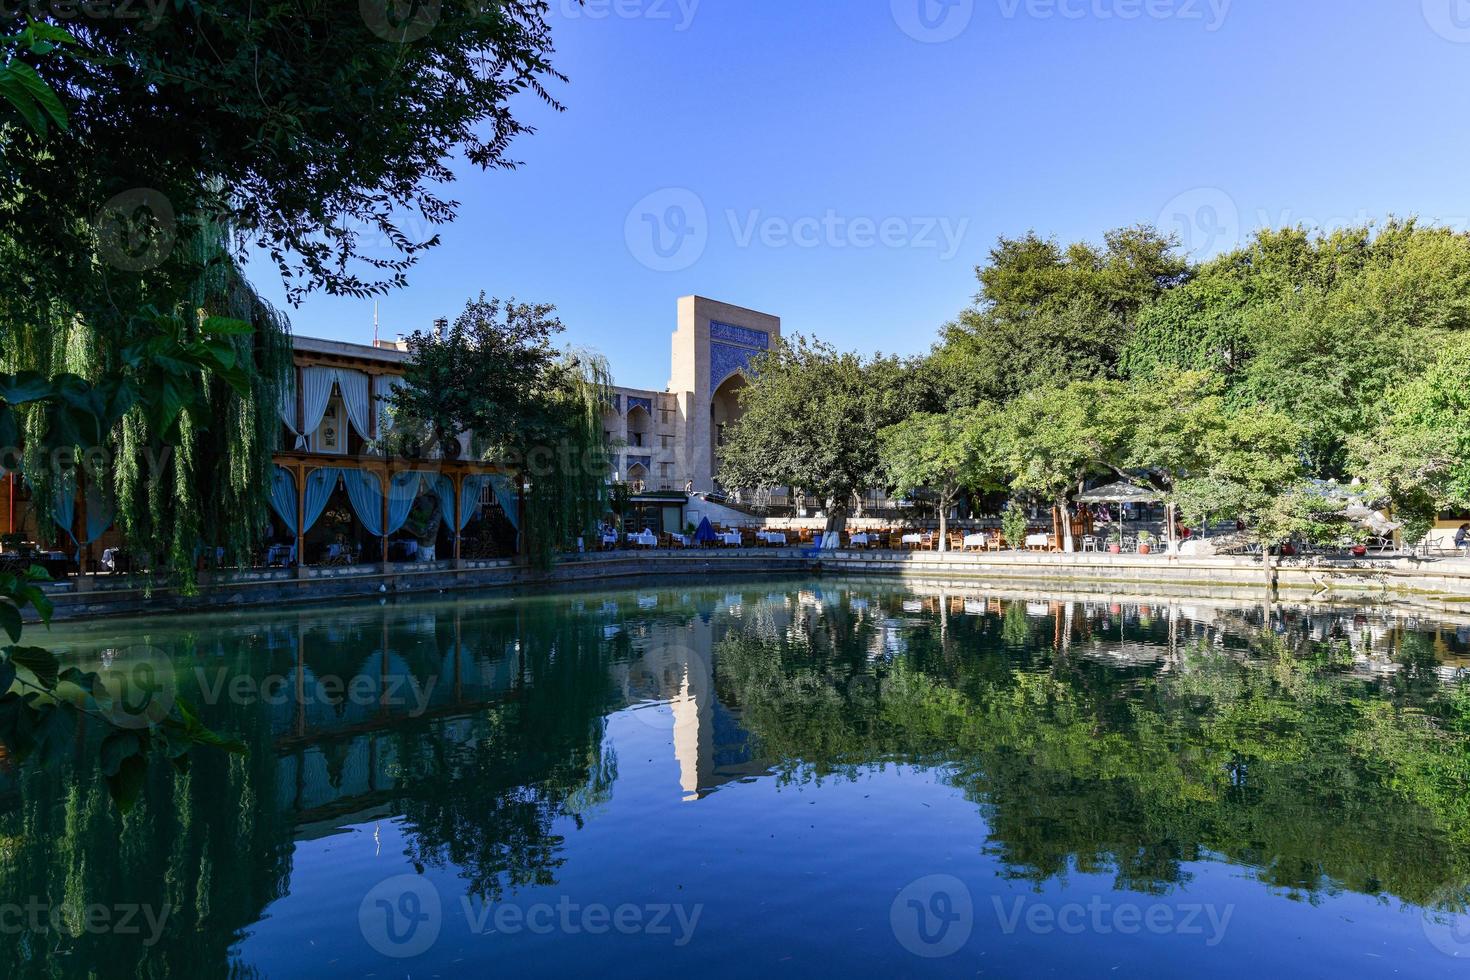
{"type": "Point", "coordinates": [946, 453]}
{"type": "Point", "coordinates": [811, 418]}
{"type": "Point", "coordinates": [486, 373]}
{"type": "Point", "coordinates": [1045, 315]}
{"type": "Point", "coordinates": [1050, 439]}
{"type": "Point", "coordinates": [313, 132]}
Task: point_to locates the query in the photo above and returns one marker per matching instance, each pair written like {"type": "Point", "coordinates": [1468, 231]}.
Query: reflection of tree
{"type": "Point", "coordinates": [1276, 760]}
{"type": "Point", "coordinates": [210, 845]}
{"type": "Point", "coordinates": [488, 804]}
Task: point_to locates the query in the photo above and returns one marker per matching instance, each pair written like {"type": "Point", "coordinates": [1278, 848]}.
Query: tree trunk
{"type": "Point", "coordinates": [1069, 546]}
{"type": "Point", "coordinates": [945, 497]}
{"type": "Point", "coordinates": [836, 520]}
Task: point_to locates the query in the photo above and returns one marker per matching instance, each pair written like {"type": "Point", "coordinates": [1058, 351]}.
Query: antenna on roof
{"type": "Point", "coordinates": [375, 323]}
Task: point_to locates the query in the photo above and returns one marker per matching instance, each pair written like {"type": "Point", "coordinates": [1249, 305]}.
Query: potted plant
{"type": "Point", "coordinates": [1145, 542]}
{"type": "Point", "coordinates": [1013, 526]}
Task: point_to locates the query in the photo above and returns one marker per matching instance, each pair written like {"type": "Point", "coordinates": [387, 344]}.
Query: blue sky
{"type": "Point", "coordinates": [846, 164]}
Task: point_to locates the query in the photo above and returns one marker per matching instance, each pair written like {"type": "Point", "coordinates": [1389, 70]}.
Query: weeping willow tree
{"type": "Point", "coordinates": [536, 411]}
{"type": "Point", "coordinates": [182, 396]}
{"type": "Point", "coordinates": [567, 468]}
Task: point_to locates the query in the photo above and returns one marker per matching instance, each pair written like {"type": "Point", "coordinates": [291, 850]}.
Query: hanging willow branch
{"type": "Point", "coordinates": [567, 468]}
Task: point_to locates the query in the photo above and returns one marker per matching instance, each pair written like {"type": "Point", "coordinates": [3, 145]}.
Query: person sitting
{"type": "Point", "coordinates": [1462, 537]}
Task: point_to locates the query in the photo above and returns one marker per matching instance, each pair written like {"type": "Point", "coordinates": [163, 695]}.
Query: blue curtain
{"type": "Point", "coordinates": [64, 502]}
{"type": "Point", "coordinates": [319, 486]}
{"type": "Point", "coordinates": [469, 499]}
{"type": "Point", "coordinates": [505, 494]}
{"type": "Point", "coordinates": [283, 497]}
{"type": "Point", "coordinates": [403, 489]}
{"type": "Point", "coordinates": [366, 495]}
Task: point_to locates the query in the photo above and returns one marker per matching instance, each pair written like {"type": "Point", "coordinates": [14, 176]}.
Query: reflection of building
{"type": "Point", "coordinates": [668, 439]}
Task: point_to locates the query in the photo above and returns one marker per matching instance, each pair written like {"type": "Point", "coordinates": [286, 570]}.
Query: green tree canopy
{"type": "Point", "coordinates": [946, 453]}
{"type": "Point", "coordinates": [811, 418]}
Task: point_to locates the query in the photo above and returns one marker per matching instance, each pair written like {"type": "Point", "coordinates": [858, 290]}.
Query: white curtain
{"type": "Point", "coordinates": [354, 388]}
{"type": "Point", "coordinates": [357, 398]}
{"type": "Point", "coordinates": [316, 386]}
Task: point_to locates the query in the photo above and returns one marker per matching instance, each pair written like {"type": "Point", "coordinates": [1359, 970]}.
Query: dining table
{"type": "Point", "coordinates": [913, 539]}
{"type": "Point", "coordinates": [861, 540]}
{"type": "Point", "coordinates": [1038, 541]}
{"type": "Point", "coordinates": [771, 537]}
{"type": "Point", "coordinates": [976, 540]}
{"type": "Point", "coordinates": [646, 540]}
{"type": "Point", "coordinates": [731, 538]}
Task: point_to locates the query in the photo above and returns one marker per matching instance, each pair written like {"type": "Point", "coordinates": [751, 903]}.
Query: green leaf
{"type": "Point", "coordinates": [39, 661]}
{"type": "Point", "coordinates": [126, 785]}
{"type": "Point", "coordinates": [7, 676]}
{"type": "Point", "coordinates": [118, 747]}
{"type": "Point", "coordinates": [10, 619]}
{"type": "Point", "coordinates": [225, 326]}
{"type": "Point", "coordinates": [27, 386]}
{"type": "Point", "coordinates": [39, 91]}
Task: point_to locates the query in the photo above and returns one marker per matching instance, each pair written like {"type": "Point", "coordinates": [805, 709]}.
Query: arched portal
{"type": "Point", "coordinates": [724, 412]}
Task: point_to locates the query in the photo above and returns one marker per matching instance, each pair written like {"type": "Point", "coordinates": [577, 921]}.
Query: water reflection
{"type": "Point", "coordinates": [1317, 751]}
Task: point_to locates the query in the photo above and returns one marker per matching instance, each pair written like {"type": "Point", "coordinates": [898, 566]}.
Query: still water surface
{"type": "Point", "coordinates": [786, 778]}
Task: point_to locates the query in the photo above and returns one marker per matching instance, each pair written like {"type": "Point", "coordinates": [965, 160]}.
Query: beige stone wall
{"type": "Point", "coordinates": [680, 438]}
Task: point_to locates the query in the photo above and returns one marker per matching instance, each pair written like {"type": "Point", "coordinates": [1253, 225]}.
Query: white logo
{"type": "Point", "coordinates": [1446, 921]}
{"type": "Point", "coordinates": [136, 229]}
{"type": "Point", "coordinates": [668, 230]}
{"type": "Point", "coordinates": [135, 687]}
{"type": "Point", "coordinates": [933, 917]}
{"type": "Point", "coordinates": [933, 21]}
{"type": "Point", "coordinates": [1206, 221]}
{"type": "Point", "coordinates": [401, 917]}
{"type": "Point", "coordinates": [400, 21]}
{"type": "Point", "coordinates": [1450, 19]}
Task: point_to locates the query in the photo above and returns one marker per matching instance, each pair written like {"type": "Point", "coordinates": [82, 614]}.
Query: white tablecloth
{"type": "Point", "coordinates": [1038, 540]}
{"type": "Point", "coordinates": [647, 539]}
{"type": "Point", "coordinates": [913, 539]}
{"type": "Point", "coordinates": [682, 539]}
{"type": "Point", "coordinates": [771, 537]}
{"type": "Point", "coordinates": [975, 541]}
{"type": "Point", "coordinates": [610, 538]}
{"type": "Point", "coordinates": [731, 538]}
{"type": "Point", "coordinates": [861, 539]}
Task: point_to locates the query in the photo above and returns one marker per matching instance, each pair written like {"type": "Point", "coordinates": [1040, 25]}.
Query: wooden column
{"type": "Point", "coordinates": [300, 404]}
{"type": "Point", "coordinates": [457, 481]}
{"type": "Point", "coordinates": [300, 473]}
{"type": "Point", "coordinates": [387, 483]}
{"type": "Point", "coordinates": [523, 549]}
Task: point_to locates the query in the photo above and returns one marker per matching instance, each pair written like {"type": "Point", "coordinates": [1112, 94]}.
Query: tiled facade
{"type": "Point", "coordinates": [668, 440]}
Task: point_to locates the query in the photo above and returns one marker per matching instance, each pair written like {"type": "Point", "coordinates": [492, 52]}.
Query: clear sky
{"type": "Point", "coordinates": [846, 164]}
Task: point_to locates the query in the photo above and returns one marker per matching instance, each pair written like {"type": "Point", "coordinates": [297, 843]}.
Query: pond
{"type": "Point", "coordinates": [794, 777]}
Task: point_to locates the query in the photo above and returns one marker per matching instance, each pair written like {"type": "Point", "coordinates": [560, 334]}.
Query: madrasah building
{"type": "Point", "coordinates": [670, 440]}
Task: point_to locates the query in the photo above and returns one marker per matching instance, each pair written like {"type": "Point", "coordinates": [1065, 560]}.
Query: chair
{"type": "Point", "coordinates": [956, 541]}
{"type": "Point", "coordinates": [1089, 543]}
